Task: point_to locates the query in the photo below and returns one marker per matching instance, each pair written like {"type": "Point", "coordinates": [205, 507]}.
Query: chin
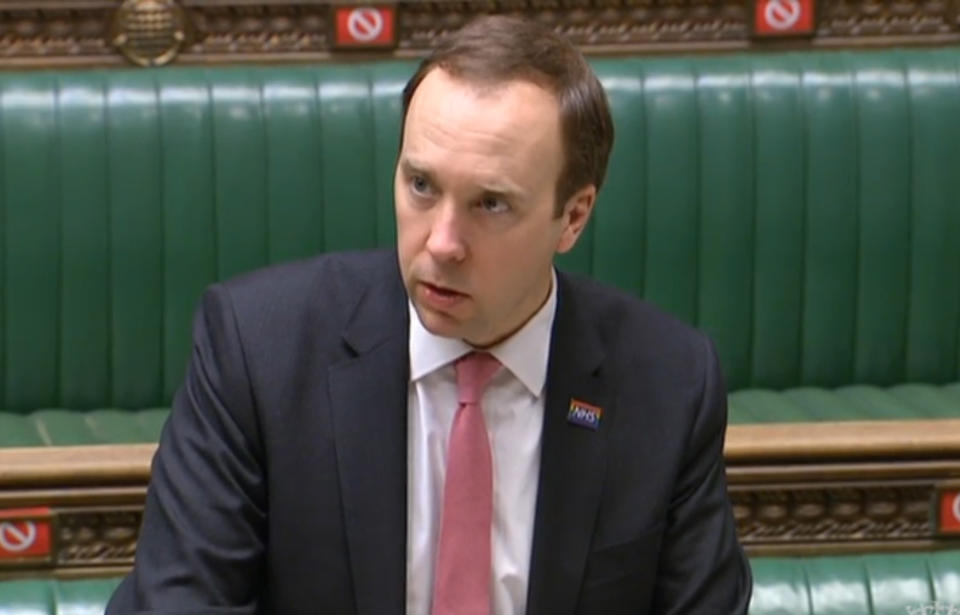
{"type": "Point", "coordinates": [439, 324]}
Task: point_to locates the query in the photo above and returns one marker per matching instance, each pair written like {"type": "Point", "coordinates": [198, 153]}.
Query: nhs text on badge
{"type": "Point", "coordinates": [584, 414]}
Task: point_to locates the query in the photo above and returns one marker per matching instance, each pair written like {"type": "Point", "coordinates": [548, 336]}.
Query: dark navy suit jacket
{"type": "Point", "coordinates": [279, 485]}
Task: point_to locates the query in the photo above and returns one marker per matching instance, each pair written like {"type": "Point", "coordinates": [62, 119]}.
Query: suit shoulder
{"type": "Point", "coordinates": [638, 335]}
{"type": "Point", "coordinates": [329, 284]}
{"type": "Point", "coordinates": [331, 277]}
{"type": "Point", "coordinates": [633, 319]}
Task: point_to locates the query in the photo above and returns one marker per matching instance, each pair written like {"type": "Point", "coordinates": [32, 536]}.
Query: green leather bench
{"type": "Point", "coordinates": [53, 597]}
{"type": "Point", "coordinates": [801, 208]}
{"type": "Point", "coordinates": [843, 585]}
{"type": "Point", "coordinates": [875, 584]}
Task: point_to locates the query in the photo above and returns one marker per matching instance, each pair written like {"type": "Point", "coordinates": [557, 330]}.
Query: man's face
{"type": "Point", "coordinates": [475, 201]}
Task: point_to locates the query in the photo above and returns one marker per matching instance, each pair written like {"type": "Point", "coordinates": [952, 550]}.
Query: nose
{"type": "Point", "coordinates": [446, 243]}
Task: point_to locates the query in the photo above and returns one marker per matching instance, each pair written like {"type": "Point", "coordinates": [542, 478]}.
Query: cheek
{"type": "Point", "coordinates": [413, 232]}
{"type": "Point", "coordinates": [509, 266]}
{"type": "Point", "coordinates": [409, 226]}
{"type": "Point", "coordinates": [406, 246]}
{"type": "Point", "coordinates": [520, 261]}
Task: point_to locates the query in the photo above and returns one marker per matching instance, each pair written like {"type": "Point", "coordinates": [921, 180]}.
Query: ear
{"type": "Point", "coordinates": [576, 213]}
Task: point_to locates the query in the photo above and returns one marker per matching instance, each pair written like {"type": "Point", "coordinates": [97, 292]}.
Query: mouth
{"type": "Point", "coordinates": [440, 297]}
{"type": "Point", "coordinates": [442, 291]}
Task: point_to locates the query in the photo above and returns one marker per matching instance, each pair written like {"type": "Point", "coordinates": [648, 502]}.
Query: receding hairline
{"type": "Point", "coordinates": [550, 130]}
{"type": "Point", "coordinates": [490, 85]}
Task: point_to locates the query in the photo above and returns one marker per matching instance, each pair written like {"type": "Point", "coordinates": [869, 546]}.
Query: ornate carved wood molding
{"type": "Point", "coordinates": [86, 531]}
{"type": "Point", "coordinates": [152, 32]}
{"type": "Point", "coordinates": [98, 536]}
{"type": "Point", "coordinates": [88, 501]}
{"type": "Point", "coordinates": [834, 513]}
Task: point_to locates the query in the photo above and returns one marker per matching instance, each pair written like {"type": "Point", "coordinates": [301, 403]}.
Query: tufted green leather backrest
{"type": "Point", "coordinates": [801, 208]}
{"type": "Point", "coordinates": [125, 193]}
{"type": "Point", "coordinates": [804, 209]}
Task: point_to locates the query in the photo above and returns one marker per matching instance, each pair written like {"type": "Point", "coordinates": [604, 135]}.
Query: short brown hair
{"type": "Point", "coordinates": [493, 49]}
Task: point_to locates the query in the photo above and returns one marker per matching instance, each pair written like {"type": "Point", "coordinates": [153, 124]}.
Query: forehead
{"type": "Point", "coordinates": [511, 124]}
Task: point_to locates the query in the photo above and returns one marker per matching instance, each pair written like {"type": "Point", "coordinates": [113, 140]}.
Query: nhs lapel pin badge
{"type": "Point", "coordinates": [584, 414]}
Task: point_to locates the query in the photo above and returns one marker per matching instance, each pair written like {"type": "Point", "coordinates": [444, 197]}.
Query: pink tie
{"type": "Point", "coordinates": [462, 580]}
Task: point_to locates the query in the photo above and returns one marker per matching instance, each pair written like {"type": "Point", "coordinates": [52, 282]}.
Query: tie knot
{"type": "Point", "coordinates": [474, 372]}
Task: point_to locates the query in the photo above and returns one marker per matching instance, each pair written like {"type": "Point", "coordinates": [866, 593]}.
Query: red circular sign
{"type": "Point", "coordinates": [783, 17]}
{"type": "Point", "coordinates": [782, 14]}
{"type": "Point", "coordinates": [16, 537]}
{"type": "Point", "coordinates": [365, 24]}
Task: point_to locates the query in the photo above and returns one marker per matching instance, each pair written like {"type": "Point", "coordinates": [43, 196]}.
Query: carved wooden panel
{"type": "Point", "coordinates": [888, 496]}
{"type": "Point", "coordinates": [95, 529]}
{"type": "Point", "coordinates": [98, 536]}
{"type": "Point", "coordinates": [833, 513]}
{"type": "Point", "coordinates": [890, 18]}
{"type": "Point", "coordinates": [153, 32]}
{"type": "Point", "coordinates": [56, 33]}
{"type": "Point", "coordinates": [597, 24]}
{"type": "Point", "coordinates": [264, 29]}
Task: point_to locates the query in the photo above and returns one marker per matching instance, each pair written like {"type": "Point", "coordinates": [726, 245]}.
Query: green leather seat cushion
{"type": "Point", "coordinates": [848, 403]}
{"type": "Point", "coordinates": [62, 427]}
{"type": "Point", "coordinates": [874, 584]}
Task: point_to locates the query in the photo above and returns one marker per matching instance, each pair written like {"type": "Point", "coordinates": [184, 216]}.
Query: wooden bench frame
{"type": "Point", "coordinates": [797, 488]}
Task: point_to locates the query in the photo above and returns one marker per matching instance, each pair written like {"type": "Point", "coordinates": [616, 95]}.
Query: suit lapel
{"type": "Point", "coordinates": [368, 395]}
{"type": "Point", "coordinates": [572, 460]}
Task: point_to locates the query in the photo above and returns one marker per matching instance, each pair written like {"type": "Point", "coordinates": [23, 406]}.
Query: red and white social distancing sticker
{"type": "Point", "coordinates": [24, 532]}
{"type": "Point", "coordinates": [783, 17]}
{"type": "Point", "coordinates": [950, 511]}
{"type": "Point", "coordinates": [365, 26]}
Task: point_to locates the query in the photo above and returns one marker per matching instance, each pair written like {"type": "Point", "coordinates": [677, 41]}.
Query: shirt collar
{"type": "Point", "coordinates": [525, 353]}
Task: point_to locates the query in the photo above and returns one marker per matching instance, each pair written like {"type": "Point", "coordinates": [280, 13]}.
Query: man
{"type": "Point", "coordinates": [453, 427]}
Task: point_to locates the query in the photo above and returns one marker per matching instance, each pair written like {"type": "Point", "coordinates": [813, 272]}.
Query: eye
{"type": "Point", "coordinates": [494, 205]}
{"type": "Point", "coordinates": [419, 185]}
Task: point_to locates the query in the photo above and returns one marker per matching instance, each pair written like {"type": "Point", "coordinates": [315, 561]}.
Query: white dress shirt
{"type": "Point", "coordinates": [513, 410]}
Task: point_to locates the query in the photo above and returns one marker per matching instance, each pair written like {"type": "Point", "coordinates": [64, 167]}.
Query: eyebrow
{"type": "Point", "coordinates": [411, 168]}
{"type": "Point", "coordinates": [504, 190]}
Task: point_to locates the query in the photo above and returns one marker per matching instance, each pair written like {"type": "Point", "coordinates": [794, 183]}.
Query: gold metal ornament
{"type": "Point", "coordinates": [148, 32]}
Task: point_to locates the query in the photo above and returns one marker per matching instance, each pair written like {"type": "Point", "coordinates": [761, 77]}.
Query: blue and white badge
{"type": "Point", "coordinates": [584, 414]}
